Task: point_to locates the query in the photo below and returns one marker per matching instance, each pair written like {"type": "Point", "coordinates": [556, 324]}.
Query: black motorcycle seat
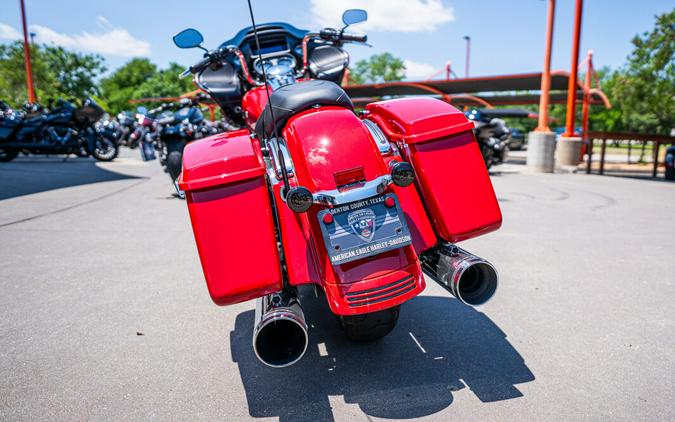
{"type": "Point", "coordinates": [292, 99]}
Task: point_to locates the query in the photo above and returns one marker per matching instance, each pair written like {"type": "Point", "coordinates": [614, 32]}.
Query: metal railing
{"type": "Point", "coordinates": [657, 140]}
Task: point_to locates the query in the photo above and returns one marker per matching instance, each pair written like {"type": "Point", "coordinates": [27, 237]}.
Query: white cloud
{"type": "Point", "coordinates": [8, 33]}
{"type": "Point", "coordinates": [109, 41]}
{"type": "Point", "coordinates": [386, 15]}
{"type": "Point", "coordinates": [418, 71]}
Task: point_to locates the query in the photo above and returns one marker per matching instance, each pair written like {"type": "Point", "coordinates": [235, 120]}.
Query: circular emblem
{"type": "Point", "coordinates": [362, 223]}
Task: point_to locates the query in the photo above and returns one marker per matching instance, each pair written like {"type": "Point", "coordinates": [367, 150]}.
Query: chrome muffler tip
{"type": "Point", "coordinates": [280, 334]}
{"type": "Point", "coordinates": [471, 279]}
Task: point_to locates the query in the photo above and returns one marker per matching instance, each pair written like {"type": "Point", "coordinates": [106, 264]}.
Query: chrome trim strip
{"type": "Point", "coordinates": [379, 137]}
{"type": "Point", "coordinates": [272, 146]}
{"type": "Point", "coordinates": [332, 198]}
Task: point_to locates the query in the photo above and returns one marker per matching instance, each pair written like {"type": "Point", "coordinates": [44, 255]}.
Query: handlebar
{"type": "Point", "coordinates": [200, 65]}
{"type": "Point", "coordinates": [354, 37]}
{"type": "Point", "coordinates": [327, 34]}
{"type": "Point", "coordinates": [216, 55]}
{"type": "Point", "coordinates": [330, 34]}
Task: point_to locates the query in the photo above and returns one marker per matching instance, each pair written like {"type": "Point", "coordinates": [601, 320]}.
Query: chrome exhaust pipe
{"type": "Point", "coordinates": [280, 331]}
{"type": "Point", "coordinates": [469, 278]}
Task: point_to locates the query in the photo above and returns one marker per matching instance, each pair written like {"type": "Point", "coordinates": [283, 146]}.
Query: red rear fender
{"type": "Point", "coordinates": [326, 141]}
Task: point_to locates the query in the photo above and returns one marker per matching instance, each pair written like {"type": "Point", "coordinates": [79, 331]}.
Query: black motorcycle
{"type": "Point", "coordinates": [492, 133]}
{"type": "Point", "coordinates": [176, 129]}
{"type": "Point", "coordinates": [64, 129]}
{"type": "Point", "coordinates": [122, 128]}
{"type": "Point", "coordinates": [670, 163]}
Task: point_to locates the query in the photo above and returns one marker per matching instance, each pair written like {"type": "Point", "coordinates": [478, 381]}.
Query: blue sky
{"type": "Point", "coordinates": [507, 36]}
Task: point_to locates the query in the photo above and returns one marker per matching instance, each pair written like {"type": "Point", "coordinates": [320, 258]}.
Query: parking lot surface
{"type": "Point", "coordinates": [104, 314]}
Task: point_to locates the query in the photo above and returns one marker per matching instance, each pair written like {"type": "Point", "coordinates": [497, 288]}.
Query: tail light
{"type": "Point", "coordinates": [348, 178]}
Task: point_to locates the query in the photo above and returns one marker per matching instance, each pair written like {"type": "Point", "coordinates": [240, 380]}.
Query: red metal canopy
{"type": "Point", "coordinates": [478, 91]}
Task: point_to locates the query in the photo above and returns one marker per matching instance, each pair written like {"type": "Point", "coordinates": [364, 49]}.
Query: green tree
{"type": "Point", "coordinates": [57, 72]}
{"type": "Point", "coordinates": [378, 68]}
{"type": "Point", "coordinates": [118, 88]}
{"type": "Point", "coordinates": [165, 83]}
{"type": "Point", "coordinates": [644, 89]}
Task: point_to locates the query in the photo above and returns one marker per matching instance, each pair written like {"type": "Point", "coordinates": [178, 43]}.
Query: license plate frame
{"type": "Point", "coordinates": [364, 228]}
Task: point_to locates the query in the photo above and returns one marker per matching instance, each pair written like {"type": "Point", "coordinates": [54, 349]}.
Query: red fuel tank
{"type": "Point", "coordinates": [451, 175]}
{"type": "Point", "coordinates": [224, 182]}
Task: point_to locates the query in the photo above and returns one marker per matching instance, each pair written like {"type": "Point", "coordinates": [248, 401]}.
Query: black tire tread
{"type": "Point", "coordinates": [174, 158]}
{"type": "Point", "coordinates": [371, 326]}
{"type": "Point", "coordinates": [173, 164]}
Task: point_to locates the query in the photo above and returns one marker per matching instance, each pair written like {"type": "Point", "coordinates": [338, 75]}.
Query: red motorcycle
{"type": "Point", "coordinates": [308, 191]}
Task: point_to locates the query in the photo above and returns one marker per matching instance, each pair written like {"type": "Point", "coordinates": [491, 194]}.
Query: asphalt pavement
{"type": "Point", "coordinates": [104, 314]}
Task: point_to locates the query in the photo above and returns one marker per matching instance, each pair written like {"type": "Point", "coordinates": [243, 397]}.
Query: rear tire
{"type": "Point", "coordinates": [174, 161]}
{"type": "Point", "coordinates": [670, 173]}
{"type": "Point", "coordinates": [372, 326]}
{"type": "Point", "coordinates": [488, 155]}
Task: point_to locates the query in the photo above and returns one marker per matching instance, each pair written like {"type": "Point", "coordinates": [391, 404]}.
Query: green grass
{"type": "Point", "coordinates": [622, 148]}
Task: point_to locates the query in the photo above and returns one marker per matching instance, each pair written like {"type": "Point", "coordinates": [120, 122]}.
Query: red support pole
{"type": "Point", "coordinates": [447, 70]}
{"type": "Point", "coordinates": [468, 55]}
{"type": "Point", "coordinates": [546, 74]}
{"type": "Point", "coordinates": [26, 53]}
{"type": "Point", "coordinates": [572, 86]}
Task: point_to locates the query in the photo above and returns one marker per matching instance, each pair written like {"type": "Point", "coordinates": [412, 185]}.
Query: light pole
{"type": "Point", "coordinates": [26, 53]}
{"type": "Point", "coordinates": [468, 55]}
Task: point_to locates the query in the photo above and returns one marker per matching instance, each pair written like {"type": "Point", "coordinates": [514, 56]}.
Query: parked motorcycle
{"type": "Point", "coordinates": [121, 128]}
{"type": "Point", "coordinates": [670, 163]}
{"type": "Point", "coordinates": [175, 129]}
{"type": "Point", "coordinates": [65, 129]}
{"type": "Point", "coordinates": [492, 133]}
{"type": "Point", "coordinates": [310, 193]}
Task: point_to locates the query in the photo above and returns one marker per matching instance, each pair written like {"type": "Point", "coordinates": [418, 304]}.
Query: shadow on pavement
{"type": "Point", "coordinates": [394, 378]}
{"type": "Point", "coordinates": [33, 175]}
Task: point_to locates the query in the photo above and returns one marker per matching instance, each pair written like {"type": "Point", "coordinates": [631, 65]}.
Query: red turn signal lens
{"type": "Point", "coordinates": [389, 202]}
{"type": "Point", "coordinates": [327, 218]}
{"type": "Point", "coordinates": [351, 177]}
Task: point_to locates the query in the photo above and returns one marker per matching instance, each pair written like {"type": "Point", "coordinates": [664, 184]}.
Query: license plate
{"type": "Point", "coordinates": [364, 228]}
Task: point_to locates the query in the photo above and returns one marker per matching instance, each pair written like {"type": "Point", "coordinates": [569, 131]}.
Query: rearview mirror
{"type": "Point", "coordinates": [188, 38]}
{"type": "Point", "coordinates": [352, 16]}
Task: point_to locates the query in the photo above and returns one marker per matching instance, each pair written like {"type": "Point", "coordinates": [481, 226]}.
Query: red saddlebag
{"type": "Point", "coordinates": [224, 182]}
{"type": "Point", "coordinates": [451, 173]}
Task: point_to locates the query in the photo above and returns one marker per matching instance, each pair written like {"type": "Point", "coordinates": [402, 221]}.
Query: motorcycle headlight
{"type": "Point", "coordinates": [402, 173]}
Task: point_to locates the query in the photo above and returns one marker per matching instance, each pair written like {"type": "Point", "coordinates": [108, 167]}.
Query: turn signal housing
{"type": "Point", "coordinates": [402, 173]}
{"type": "Point", "coordinates": [299, 199]}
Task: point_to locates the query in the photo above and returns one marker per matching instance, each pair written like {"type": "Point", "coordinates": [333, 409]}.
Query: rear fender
{"type": "Point", "coordinates": [322, 142]}
{"type": "Point", "coordinates": [328, 140]}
